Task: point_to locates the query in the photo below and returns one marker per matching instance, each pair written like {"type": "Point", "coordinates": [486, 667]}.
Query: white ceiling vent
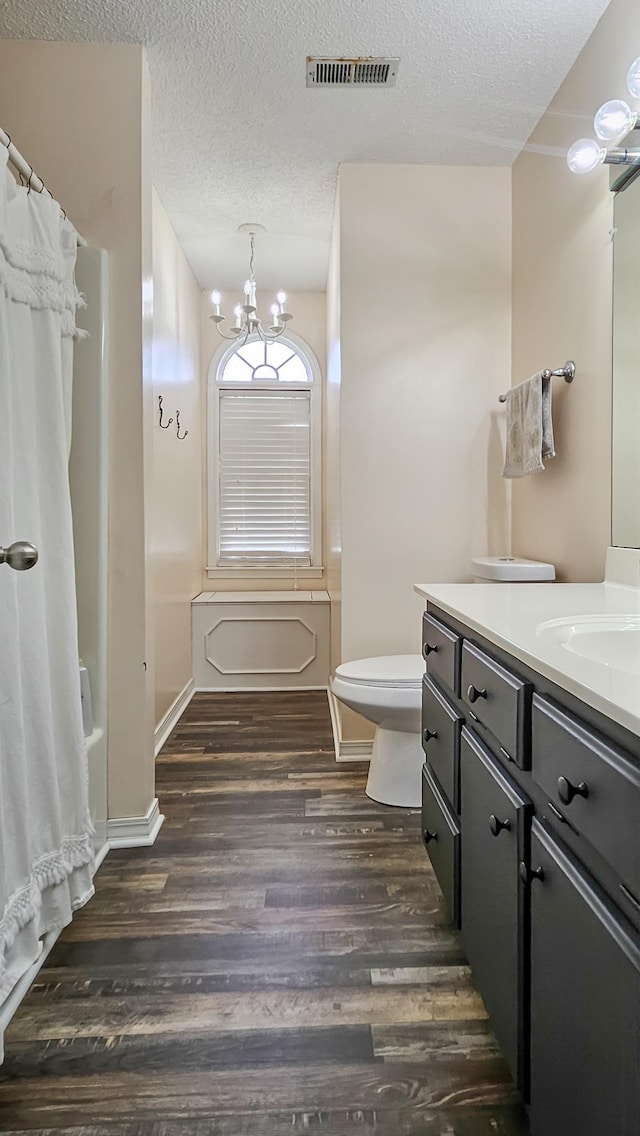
{"type": "Point", "coordinates": [364, 71]}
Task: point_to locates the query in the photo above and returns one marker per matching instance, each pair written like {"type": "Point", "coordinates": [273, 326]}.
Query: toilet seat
{"type": "Point", "coordinates": [392, 672]}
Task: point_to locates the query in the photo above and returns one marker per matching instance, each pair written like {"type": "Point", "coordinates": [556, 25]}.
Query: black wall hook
{"type": "Point", "coordinates": [160, 422]}
{"type": "Point", "coordinates": [181, 437]}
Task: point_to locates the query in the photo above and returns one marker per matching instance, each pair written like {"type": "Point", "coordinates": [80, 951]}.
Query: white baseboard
{"type": "Point", "coordinates": [137, 831]}
{"type": "Point", "coordinates": [172, 716]}
{"type": "Point", "coordinates": [252, 689]}
{"type": "Point", "coordinates": [100, 855]}
{"type": "Point", "coordinates": [346, 750]}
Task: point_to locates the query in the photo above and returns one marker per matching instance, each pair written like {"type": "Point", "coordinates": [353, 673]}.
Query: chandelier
{"type": "Point", "coordinates": [248, 323]}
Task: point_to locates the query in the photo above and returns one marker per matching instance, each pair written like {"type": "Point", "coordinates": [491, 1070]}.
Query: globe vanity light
{"type": "Point", "coordinates": [613, 121]}
{"type": "Point", "coordinates": [585, 155]}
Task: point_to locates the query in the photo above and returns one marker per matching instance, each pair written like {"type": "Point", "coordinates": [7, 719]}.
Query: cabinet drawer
{"type": "Point", "coordinates": [593, 784]}
{"type": "Point", "coordinates": [499, 700]}
{"type": "Point", "coordinates": [441, 726]}
{"type": "Point", "coordinates": [441, 836]}
{"type": "Point", "coordinates": [494, 818]}
{"type": "Point", "coordinates": [585, 994]}
{"type": "Point", "coordinates": [441, 650]}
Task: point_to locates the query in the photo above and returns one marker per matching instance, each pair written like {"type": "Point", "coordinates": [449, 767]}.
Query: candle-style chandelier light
{"type": "Point", "coordinates": [248, 323]}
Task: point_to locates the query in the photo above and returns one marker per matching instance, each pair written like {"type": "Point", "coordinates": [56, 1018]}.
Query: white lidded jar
{"type": "Point", "coordinates": [510, 570]}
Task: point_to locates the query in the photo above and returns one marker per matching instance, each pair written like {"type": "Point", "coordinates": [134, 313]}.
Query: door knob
{"type": "Point", "coordinates": [20, 555]}
{"type": "Point", "coordinates": [427, 735]}
{"type": "Point", "coordinates": [473, 694]}
{"type": "Point", "coordinates": [428, 836]}
{"type": "Point", "coordinates": [567, 791]}
{"type": "Point", "coordinates": [496, 825]}
{"type": "Point", "coordinates": [428, 648]}
{"type": "Point", "coordinates": [529, 874]}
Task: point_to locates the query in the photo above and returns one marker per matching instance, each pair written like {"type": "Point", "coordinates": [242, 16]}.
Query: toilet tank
{"type": "Point", "coordinates": [510, 570]}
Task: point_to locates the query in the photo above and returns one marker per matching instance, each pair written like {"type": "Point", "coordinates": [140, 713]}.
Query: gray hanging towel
{"type": "Point", "coordinates": [529, 426]}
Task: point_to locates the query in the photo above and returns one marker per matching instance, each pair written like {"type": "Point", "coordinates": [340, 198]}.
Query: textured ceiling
{"type": "Point", "coordinates": [238, 137]}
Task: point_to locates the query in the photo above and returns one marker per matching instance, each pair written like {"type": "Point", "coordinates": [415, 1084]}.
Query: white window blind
{"type": "Point", "coordinates": [264, 454]}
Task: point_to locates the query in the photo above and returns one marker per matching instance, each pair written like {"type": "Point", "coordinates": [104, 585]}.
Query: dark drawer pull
{"type": "Point", "coordinates": [428, 648]}
{"type": "Point", "coordinates": [473, 694]}
{"type": "Point", "coordinates": [529, 874]}
{"type": "Point", "coordinates": [429, 836]}
{"type": "Point", "coordinates": [496, 825]}
{"type": "Point", "coordinates": [567, 791]}
{"type": "Point", "coordinates": [427, 735]}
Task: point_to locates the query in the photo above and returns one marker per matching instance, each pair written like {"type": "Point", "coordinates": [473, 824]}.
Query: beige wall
{"type": "Point", "coordinates": [425, 337]}
{"type": "Point", "coordinates": [79, 113]}
{"type": "Point", "coordinates": [310, 323]}
{"type": "Point", "coordinates": [562, 256]}
{"type": "Point", "coordinates": [174, 491]}
{"type": "Point", "coordinates": [331, 448]}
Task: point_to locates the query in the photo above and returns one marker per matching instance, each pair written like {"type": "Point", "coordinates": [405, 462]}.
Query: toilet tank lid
{"type": "Point", "coordinates": [511, 568]}
{"type": "Point", "coordinates": [384, 670]}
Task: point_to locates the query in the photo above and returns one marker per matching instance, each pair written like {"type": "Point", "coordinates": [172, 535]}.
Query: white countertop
{"type": "Point", "coordinates": [509, 614]}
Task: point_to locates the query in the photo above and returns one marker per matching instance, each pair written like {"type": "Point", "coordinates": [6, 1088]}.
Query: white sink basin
{"type": "Point", "coordinates": [611, 640]}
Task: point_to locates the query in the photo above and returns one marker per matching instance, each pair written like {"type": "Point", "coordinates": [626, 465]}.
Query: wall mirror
{"type": "Point", "coordinates": [626, 367]}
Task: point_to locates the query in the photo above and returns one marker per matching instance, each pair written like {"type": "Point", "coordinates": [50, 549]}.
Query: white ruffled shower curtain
{"type": "Point", "coordinates": [46, 856]}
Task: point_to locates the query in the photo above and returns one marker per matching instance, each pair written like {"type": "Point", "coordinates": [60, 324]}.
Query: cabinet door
{"type": "Point", "coordinates": [585, 1002]}
{"type": "Point", "coordinates": [441, 837]}
{"type": "Point", "coordinates": [494, 815]}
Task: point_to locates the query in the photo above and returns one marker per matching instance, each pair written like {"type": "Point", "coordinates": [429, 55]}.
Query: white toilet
{"type": "Point", "coordinates": [387, 690]}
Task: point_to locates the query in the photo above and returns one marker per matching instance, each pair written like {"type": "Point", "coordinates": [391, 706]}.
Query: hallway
{"type": "Point", "coordinates": [280, 961]}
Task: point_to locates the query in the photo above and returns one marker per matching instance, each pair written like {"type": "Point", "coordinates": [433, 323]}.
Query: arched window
{"type": "Point", "coordinates": [264, 458]}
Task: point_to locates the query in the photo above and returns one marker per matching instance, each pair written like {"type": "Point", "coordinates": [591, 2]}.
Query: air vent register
{"type": "Point", "coordinates": [365, 71]}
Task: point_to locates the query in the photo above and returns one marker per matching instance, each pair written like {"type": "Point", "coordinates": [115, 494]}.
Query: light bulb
{"type": "Point", "coordinates": [281, 298]}
{"type": "Point", "coordinates": [613, 121]}
{"type": "Point", "coordinates": [215, 297]}
{"type": "Point", "coordinates": [633, 79]}
{"type": "Point", "coordinates": [274, 309]}
{"type": "Point", "coordinates": [585, 155]}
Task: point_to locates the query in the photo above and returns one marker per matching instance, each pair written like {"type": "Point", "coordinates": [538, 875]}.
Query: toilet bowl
{"type": "Point", "coordinates": [388, 692]}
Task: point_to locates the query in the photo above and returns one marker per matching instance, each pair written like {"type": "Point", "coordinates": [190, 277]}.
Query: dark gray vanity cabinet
{"type": "Point", "coordinates": [585, 1002]}
{"type": "Point", "coordinates": [531, 817]}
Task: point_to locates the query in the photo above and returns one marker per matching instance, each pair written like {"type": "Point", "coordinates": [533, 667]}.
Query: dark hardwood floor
{"type": "Point", "coordinates": [279, 962]}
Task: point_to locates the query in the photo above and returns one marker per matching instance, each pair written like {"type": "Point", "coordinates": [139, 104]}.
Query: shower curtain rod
{"type": "Point", "coordinates": [26, 169]}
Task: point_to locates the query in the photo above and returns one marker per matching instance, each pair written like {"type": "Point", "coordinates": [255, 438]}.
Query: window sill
{"type": "Point", "coordinates": [255, 573]}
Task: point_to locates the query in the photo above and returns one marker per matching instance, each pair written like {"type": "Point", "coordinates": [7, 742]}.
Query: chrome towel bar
{"type": "Point", "coordinates": [568, 373]}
